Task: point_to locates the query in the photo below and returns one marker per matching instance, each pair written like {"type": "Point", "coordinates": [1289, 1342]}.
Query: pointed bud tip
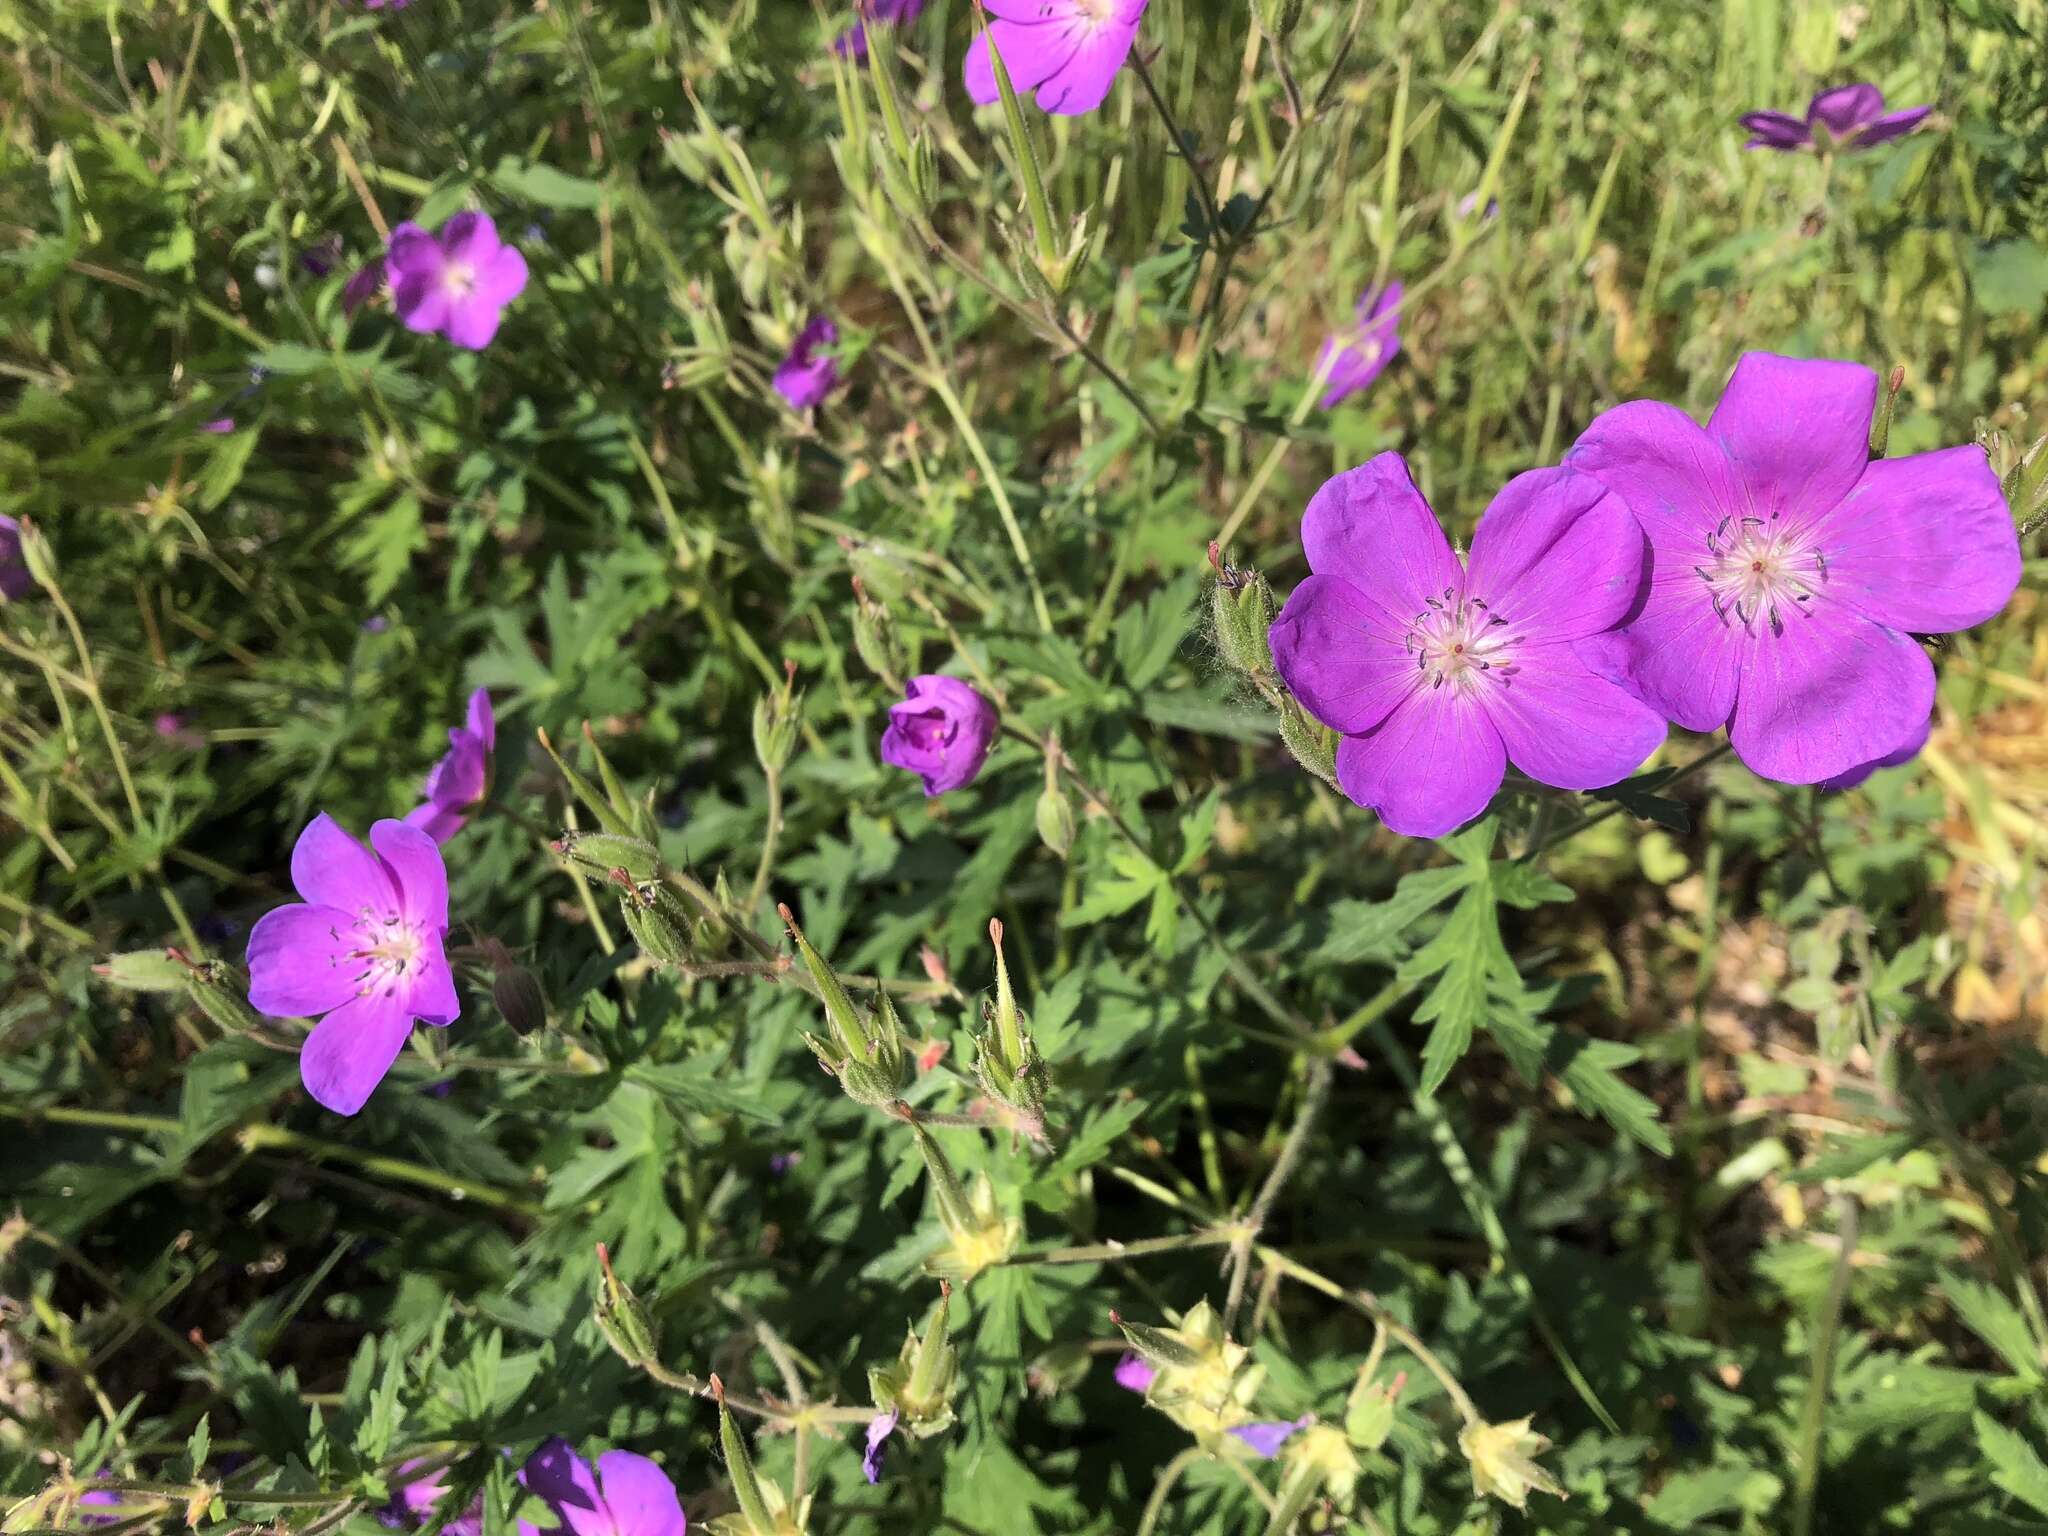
{"type": "Point", "coordinates": [995, 930]}
{"type": "Point", "coordinates": [1898, 378]}
{"type": "Point", "coordinates": [1216, 557]}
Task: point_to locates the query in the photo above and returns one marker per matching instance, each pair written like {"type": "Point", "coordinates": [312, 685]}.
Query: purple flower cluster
{"type": "Point", "coordinates": [1761, 573]}
{"type": "Point", "coordinates": [1849, 117]}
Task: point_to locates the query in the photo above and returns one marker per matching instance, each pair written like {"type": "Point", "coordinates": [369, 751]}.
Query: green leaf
{"type": "Point", "coordinates": [2010, 276]}
{"type": "Point", "coordinates": [1464, 956]}
{"type": "Point", "coordinates": [1986, 1312]}
{"type": "Point", "coordinates": [2020, 1470]}
{"type": "Point", "coordinates": [383, 545]}
{"type": "Point", "coordinates": [1635, 796]}
{"type": "Point", "coordinates": [545, 185]}
{"type": "Point", "coordinates": [1132, 877]}
{"type": "Point", "coordinates": [1368, 930]}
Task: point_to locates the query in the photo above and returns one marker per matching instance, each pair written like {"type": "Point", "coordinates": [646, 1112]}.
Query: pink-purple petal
{"type": "Point", "coordinates": [1831, 692]}
{"type": "Point", "coordinates": [1371, 526]}
{"type": "Point", "coordinates": [332, 869]}
{"type": "Point", "coordinates": [1433, 764]}
{"type": "Point", "coordinates": [502, 278]}
{"type": "Point", "coordinates": [1082, 84]}
{"type": "Point", "coordinates": [1676, 655]}
{"type": "Point", "coordinates": [1797, 431]}
{"type": "Point", "coordinates": [640, 1495]}
{"type": "Point", "coordinates": [1845, 108]}
{"type": "Point", "coordinates": [1558, 556]}
{"type": "Point", "coordinates": [1031, 53]}
{"type": "Point", "coordinates": [564, 1480]}
{"type": "Point", "coordinates": [1893, 125]}
{"type": "Point", "coordinates": [1904, 753]}
{"type": "Point", "coordinates": [470, 322]}
{"type": "Point", "coordinates": [1341, 655]}
{"type": "Point", "coordinates": [422, 302]}
{"type": "Point", "coordinates": [481, 721]}
{"type": "Point", "coordinates": [1775, 130]}
{"type": "Point", "coordinates": [299, 965]}
{"type": "Point", "coordinates": [437, 821]}
{"type": "Point", "coordinates": [416, 863]}
{"type": "Point", "coordinates": [1660, 461]}
{"type": "Point", "coordinates": [349, 1051]}
{"type": "Point", "coordinates": [1924, 543]}
{"type": "Point", "coordinates": [1564, 725]}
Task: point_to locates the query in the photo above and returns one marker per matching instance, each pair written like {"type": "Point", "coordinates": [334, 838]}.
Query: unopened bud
{"type": "Point", "coordinates": [607, 851]}
{"type": "Point", "coordinates": [1881, 425]}
{"type": "Point", "coordinates": [624, 1322]}
{"type": "Point", "coordinates": [222, 992]}
{"type": "Point", "coordinates": [1241, 613]}
{"type": "Point", "coordinates": [656, 918]}
{"type": "Point", "coordinates": [777, 715]}
{"type": "Point", "coordinates": [144, 970]}
{"type": "Point", "coordinates": [519, 999]}
{"type": "Point", "coordinates": [37, 556]}
{"type": "Point", "coordinates": [934, 965]}
{"type": "Point", "coordinates": [739, 1466]}
{"type": "Point", "coordinates": [874, 636]}
{"type": "Point", "coordinates": [1313, 744]}
{"type": "Point", "coordinates": [1055, 812]}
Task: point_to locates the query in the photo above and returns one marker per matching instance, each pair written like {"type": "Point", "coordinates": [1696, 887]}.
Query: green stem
{"type": "Point", "coordinates": [1813, 1412]}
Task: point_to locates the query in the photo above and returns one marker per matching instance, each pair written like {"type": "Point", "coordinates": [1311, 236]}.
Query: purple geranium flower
{"type": "Point", "coordinates": [104, 1498]}
{"type": "Point", "coordinates": [853, 42]}
{"type": "Point", "coordinates": [460, 781]}
{"type": "Point", "coordinates": [810, 372]}
{"type": "Point", "coordinates": [880, 1427]}
{"type": "Point", "coordinates": [1789, 571]}
{"type": "Point", "coordinates": [1356, 357]}
{"type": "Point", "coordinates": [1067, 51]}
{"type": "Point", "coordinates": [1266, 1438]}
{"type": "Point", "coordinates": [1849, 117]}
{"type": "Point", "coordinates": [367, 283]}
{"type": "Point", "coordinates": [457, 281]}
{"type": "Point", "coordinates": [413, 1505]}
{"type": "Point", "coordinates": [941, 732]}
{"type": "Point", "coordinates": [15, 581]}
{"type": "Point", "coordinates": [1439, 673]}
{"type": "Point", "coordinates": [1134, 1373]}
{"type": "Point", "coordinates": [624, 1495]}
{"type": "Point", "coordinates": [365, 949]}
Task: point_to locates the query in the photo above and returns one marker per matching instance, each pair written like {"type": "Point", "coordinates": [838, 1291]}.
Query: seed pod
{"type": "Point", "coordinates": [1313, 744]}
{"type": "Point", "coordinates": [222, 993]}
{"type": "Point", "coordinates": [874, 636]}
{"type": "Point", "coordinates": [739, 1466]}
{"type": "Point", "coordinates": [144, 970]}
{"type": "Point", "coordinates": [606, 851]}
{"type": "Point", "coordinates": [620, 1317]}
{"type": "Point", "coordinates": [1241, 614]}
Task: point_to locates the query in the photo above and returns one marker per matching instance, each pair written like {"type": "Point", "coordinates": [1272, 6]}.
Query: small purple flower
{"type": "Point", "coordinates": [781, 1162]}
{"type": "Point", "coordinates": [1266, 1438]}
{"type": "Point", "coordinates": [1789, 572]}
{"type": "Point", "coordinates": [1850, 117]}
{"type": "Point", "coordinates": [1356, 357]}
{"type": "Point", "coordinates": [1469, 204]}
{"type": "Point", "coordinates": [456, 282]}
{"type": "Point", "coordinates": [321, 258]}
{"type": "Point", "coordinates": [364, 948]}
{"type": "Point", "coordinates": [222, 425]}
{"type": "Point", "coordinates": [413, 1506]}
{"type": "Point", "coordinates": [15, 581]}
{"type": "Point", "coordinates": [853, 42]}
{"type": "Point", "coordinates": [1134, 1373]}
{"type": "Point", "coordinates": [940, 732]}
{"type": "Point", "coordinates": [103, 1498]}
{"type": "Point", "coordinates": [880, 1427]}
{"type": "Point", "coordinates": [176, 730]}
{"type": "Point", "coordinates": [624, 1495]}
{"type": "Point", "coordinates": [460, 781]}
{"type": "Point", "coordinates": [1067, 51]}
{"type": "Point", "coordinates": [1439, 673]}
{"type": "Point", "coordinates": [375, 624]}
{"type": "Point", "coordinates": [810, 372]}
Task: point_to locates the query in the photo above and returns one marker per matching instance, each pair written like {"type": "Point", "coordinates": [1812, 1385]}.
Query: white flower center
{"type": "Point", "coordinates": [459, 278]}
{"type": "Point", "coordinates": [388, 950]}
{"type": "Point", "coordinates": [1095, 12]}
{"type": "Point", "coordinates": [1460, 641]}
{"type": "Point", "coordinates": [1762, 568]}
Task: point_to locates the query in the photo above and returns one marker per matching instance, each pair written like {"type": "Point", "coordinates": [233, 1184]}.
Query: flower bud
{"type": "Point", "coordinates": [606, 851]}
{"type": "Point", "coordinates": [1503, 1458]}
{"type": "Point", "coordinates": [739, 1466]}
{"type": "Point", "coordinates": [1241, 614]}
{"type": "Point", "coordinates": [1369, 1411]}
{"type": "Point", "coordinates": [519, 999]}
{"type": "Point", "coordinates": [624, 1322]}
{"type": "Point", "coordinates": [144, 970]}
{"type": "Point", "coordinates": [36, 555]}
{"type": "Point", "coordinates": [777, 716]}
{"type": "Point", "coordinates": [1313, 744]}
{"type": "Point", "coordinates": [222, 992]}
{"type": "Point", "coordinates": [1881, 425]}
{"type": "Point", "coordinates": [1055, 812]}
{"type": "Point", "coordinates": [874, 636]}
{"type": "Point", "coordinates": [656, 918]}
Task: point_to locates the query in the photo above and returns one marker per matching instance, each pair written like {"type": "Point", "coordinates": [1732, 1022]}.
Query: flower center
{"type": "Point", "coordinates": [388, 949]}
{"type": "Point", "coordinates": [1761, 567]}
{"type": "Point", "coordinates": [459, 278]}
{"type": "Point", "coordinates": [928, 733]}
{"type": "Point", "coordinates": [1460, 641]}
{"type": "Point", "coordinates": [1095, 12]}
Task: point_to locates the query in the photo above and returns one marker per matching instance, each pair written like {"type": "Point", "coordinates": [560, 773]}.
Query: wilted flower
{"type": "Point", "coordinates": [1439, 672]}
{"type": "Point", "coordinates": [365, 949]}
{"type": "Point", "coordinates": [15, 581]}
{"type": "Point", "coordinates": [320, 258]}
{"type": "Point", "coordinates": [1789, 570]}
{"type": "Point", "coordinates": [1067, 51]}
{"type": "Point", "coordinates": [879, 1429]}
{"type": "Point", "coordinates": [810, 372]}
{"type": "Point", "coordinates": [367, 283]}
{"type": "Point", "coordinates": [458, 783]}
{"type": "Point", "coordinates": [1356, 357]}
{"type": "Point", "coordinates": [1503, 1458]}
{"type": "Point", "coordinates": [853, 42]}
{"type": "Point", "coordinates": [940, 732]}
{"type": "Point", "coordinates": [456, 282]}
{"type": "Point", "coordinates": [624, 1495]}
{"type": "Point", "coordinates": [1849, 117]}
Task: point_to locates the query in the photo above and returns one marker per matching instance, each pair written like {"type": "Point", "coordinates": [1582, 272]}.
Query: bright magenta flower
{"type": "Point", "coordinates": [1066, 52]}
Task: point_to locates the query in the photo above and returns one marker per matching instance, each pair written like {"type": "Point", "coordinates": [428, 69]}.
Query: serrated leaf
{"type": "Point", "coordinates": [2020, 1470]}
{"type": "Point", "coordinates": [1365, 930]}
{"type": "Point", "coordinates": [1464, 956]}
{"type": "Point", "coordinates": [1986, 1312]}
